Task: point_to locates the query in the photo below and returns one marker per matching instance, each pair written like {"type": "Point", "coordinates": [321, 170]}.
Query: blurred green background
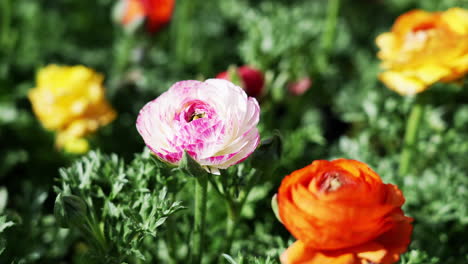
{"type": "Point", "coordinates": [346, 113]}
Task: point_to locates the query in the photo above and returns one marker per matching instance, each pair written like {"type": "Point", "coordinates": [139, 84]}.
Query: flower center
{"type": "Point", "coordinates": [424, 27]}
{"type": "Point", "coordinates": [416, 39]}
{"type": "Point", "coordinates": [195, 110]}
{"type": "Point", "coordinates": [331, 183]}
{"type": "Point", "coordinates": [196, 116]}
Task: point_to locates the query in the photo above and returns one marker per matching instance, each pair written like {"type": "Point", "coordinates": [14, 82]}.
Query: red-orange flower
{"type": "Point", "coordinates": [342, 213]}
{"type": "Point", "coordinates": [157, 12]}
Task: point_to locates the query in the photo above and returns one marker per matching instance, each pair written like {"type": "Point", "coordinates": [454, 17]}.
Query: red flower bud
{"type": "Point", "coordinates": [252, 80]}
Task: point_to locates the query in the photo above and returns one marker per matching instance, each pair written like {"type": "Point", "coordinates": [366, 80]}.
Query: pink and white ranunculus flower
{"type": "Point", "coordinates": [214, 121]}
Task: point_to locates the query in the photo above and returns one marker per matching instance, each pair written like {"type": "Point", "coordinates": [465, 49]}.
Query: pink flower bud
{"type": "Point", "coordinates": [300, 87]}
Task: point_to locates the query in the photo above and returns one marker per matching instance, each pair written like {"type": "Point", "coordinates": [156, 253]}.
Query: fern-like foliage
{"type": "Point", "coordinates": [115, 206]}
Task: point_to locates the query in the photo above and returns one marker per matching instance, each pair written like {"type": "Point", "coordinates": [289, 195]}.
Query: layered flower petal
{"type": "Point", "coordinates": [299, 253]}
{"type": "Point", "coordinates": [424, 48]}
{"type": "Point", "coordinates": [385, 249]}
{"type": "Point", "coordinates": [71, 101]}
{"type": "Point", "coordinates": [214, 121]}
{"type": "Point", "coordinates": [343, 211]}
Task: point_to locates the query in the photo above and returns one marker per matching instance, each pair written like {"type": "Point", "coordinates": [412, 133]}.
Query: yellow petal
{"type": "Point", "coordinates": [430, 74]}
{"type": "Point", "coordinates": [386, 43]}
{"type": "Point", "coordinates": [402, 84]}
{"type": "Point", "coordinates": [78, 128]}
{"type": "Point", "coordinates": [459, 67]}
{"type": "Point", "coordinates": [299, 253]}
{"type": "Point", "coordinates": [70, 100]}
{"type": "Point", "coordinates": [373, 252]}
{"type": "Point", "coordinates": [76, 146]}
{"type": "Point", "coordinates": [457, 19]}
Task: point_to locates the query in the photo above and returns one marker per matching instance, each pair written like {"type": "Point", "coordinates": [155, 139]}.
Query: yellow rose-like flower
{"type": "Point", "coordinates": [424, 48]}
{"type": "Point", "coordinates": [71, 101]}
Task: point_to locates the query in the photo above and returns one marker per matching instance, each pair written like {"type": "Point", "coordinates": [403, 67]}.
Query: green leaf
{"type": "Point", "coordinates": [229, 259]}
{"type": "Point", "coordinates": [125, 205]}
{"type": "Point", "coordinates": [269, 153]}
{"type": "Point", "coordinates": [70, 210]}
{"type": "Point", "coordinates": [274, 206]}
{"type": "Point", "coordinates": [2, 245]}
{"type": "Point", "coordinates": [4, 224]}
{"type": "Point", "coordinates": [233, 75]}
{"type": "Point", "coordinates": [190, 166]}
{"type": "Point", "coordinates": [3, 198]}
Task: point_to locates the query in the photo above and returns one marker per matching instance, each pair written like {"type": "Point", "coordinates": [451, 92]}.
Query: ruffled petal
{"type": "Point", "coordinates": [298, 253]}
{"type": "Point", "coordinates": [401, 83]}
{"type": "Point", "coordinates": [222, 133]}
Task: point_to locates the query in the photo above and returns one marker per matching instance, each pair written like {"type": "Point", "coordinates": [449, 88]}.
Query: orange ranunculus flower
{"type": "Point", "coordinates": [157, 12]}
{"type": "Point", "coordinates": [341, 212]}
{"type": "Point", "coordinates": [424, 48]}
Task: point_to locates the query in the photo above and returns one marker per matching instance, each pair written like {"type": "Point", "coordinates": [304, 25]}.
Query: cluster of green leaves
{"type": "Point", "coordinates": [124, 212]}
{"type": "Point", "coordinates": [234, 198]}
{"type": "Point", "coordinates": [4, 221]}
{"type": "Point", "coordinates": [116, 208]}
{"type": "Point", "coordinates": [36, 228]}
{"type": "Point", "coordinates": [249, 260]}
{"type": "Point", "coordinates": [418, 257]}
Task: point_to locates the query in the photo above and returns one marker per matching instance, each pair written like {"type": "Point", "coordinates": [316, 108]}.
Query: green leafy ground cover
{"type": "Point", "coordinates": [131, 209]}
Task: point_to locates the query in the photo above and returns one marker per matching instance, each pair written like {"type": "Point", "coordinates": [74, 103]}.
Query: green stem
{"type": "Point", "coordinates": [6, 18]}
{"type": "Point", "coordinates": [198, 236]}
{"type": "Point", "coordinates": [234, 209]}
{"type": "Point", "coordinates": [411, 136]}
{"type": "Point", "coordinates": [328, 35]}
{"type": "Point", "coordinates": [98, 235]}
{"type": "Point", "coordinates": [171, 240]}
{"type": "Point", "coordinates": [123, 51]}
{"type": "Point", "coordinates": [215, 187]}
{"type": "Point", "coordinates": [181, 30]}
{"type": "Point", "coordinates": [231, 223]}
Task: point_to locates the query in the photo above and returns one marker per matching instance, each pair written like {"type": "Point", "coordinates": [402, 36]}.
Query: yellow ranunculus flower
{"type": "Point", "coordinates": [424, 48]}
{"type": "Point", "coordinates": [71, 101]}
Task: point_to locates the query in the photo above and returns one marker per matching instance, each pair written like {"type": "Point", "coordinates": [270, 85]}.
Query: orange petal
{"type": "Point", "coordinates": [298, 253]}
{"type": "Point", "coordinates": [133, 10]}
{"type": "Point", "coordinates": [408, 21]}
{"type": "Point", "coordinates": [387, 248]}
{"type": "Point", "coordinates": [396, 240]}
{"type": "Point", "coordinates": [329, 225]}
{"type": "Point", "coordinates": [357, 168]}
{"type": "Point", "coordinates": [357, 212]}
{"type": "Point", "coordinates": [372, 251]}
